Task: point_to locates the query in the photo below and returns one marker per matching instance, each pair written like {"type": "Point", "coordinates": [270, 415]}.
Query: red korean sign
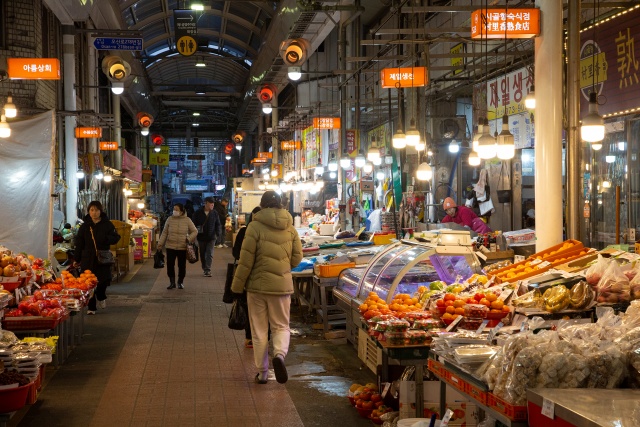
{"type": "Point", "coordinates": [88, 132]}
{"type": "Point", "coordinates": [290, 145]}
{"type": "Point", "coordinates": [108, 145]}
{"type": "Point", "coordinates": [503, 23]}
{"type": "Point", "coordinates": [33, 68]}
{"type": "Point", "coordinates": [260, 160]}
{"type": "Point", "coordinates": [326, 123]}
{"type": "Point", "coordinates": [265, 155]}
{"type": "Point", "coordinates": [506, 94]}
{"type": "Point", "coordinates": [610, 65]}
{"type": "Point", "coordinates": [403, 77]}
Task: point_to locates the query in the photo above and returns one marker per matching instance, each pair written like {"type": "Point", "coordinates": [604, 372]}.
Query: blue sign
{"type": "Point", "coordinates": [118, 43]}
{"type": "Point", "coordinates": [217, 163]}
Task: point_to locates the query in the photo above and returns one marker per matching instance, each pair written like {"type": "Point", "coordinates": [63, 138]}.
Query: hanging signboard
{"type": "Point", "coordinates": [278, 168]}
{"type": "Point", "coordinates": [33, 68]}
{"type": "Point", "coordinates": [503, 23]}
{"type": "Point", "coordinates": [88, 132]}
{"type": "Point", "coordinates": [108, 146]}
{"type": "Point", "coordinates": [508, 93]}
{"type": "Point", "coordinates": [326, 123]}
{"type": "Point", "coordinates": [403, 77]}
{"type": "Point", "coordinates": [290, 145]}
{"type": "Point", "coordinates": [161, 158]}
{"type": "Point", "coordinates": [610, 64]}
{"type": "Point", "coordinates": [311, 152]}
{"type": "Point", "coordinates": [265, 155]}
{"type": "Point", "coordinates": [131, 166]}
{"type": "Point", "coordinates": [185, 25]}
{"type": "Point", "coordinates": [458, 61]}
{"type": "Point", "coordinates": [260, 160]}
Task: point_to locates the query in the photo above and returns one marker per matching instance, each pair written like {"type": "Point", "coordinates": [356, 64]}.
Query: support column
{"type": "Point", "coordinates": [117, 130]}
{"type": "Point", "coordinates": [274, 128]}
{"type": "Point", "coordinates": [70, 142]}
{"type": "Point", "coordinates": [548, 126]}
{"type": "Point", "coordinates": [575, 170]}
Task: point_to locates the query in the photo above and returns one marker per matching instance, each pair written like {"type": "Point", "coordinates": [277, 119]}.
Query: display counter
{"type": "Point", "coordinates": [583, 407]}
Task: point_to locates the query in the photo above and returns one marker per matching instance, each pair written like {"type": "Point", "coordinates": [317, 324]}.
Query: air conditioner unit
{"type": "Point", "coordinates": [448, 128]}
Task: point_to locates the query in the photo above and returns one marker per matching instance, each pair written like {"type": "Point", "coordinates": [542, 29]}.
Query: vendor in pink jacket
{"type": "Point", "coordinates": [464, 216]}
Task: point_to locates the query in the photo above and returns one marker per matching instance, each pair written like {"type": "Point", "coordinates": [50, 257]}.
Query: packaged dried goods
{"type": "Point", "coordinates": [397, 325]}
{"type": "Point", "coordinates": [556, 298]}
{"type": "Point", "coordinates": [552, 368]}
{"type": "Point", "coordinates": [491, 369]}
{"type": "Point", "coordinates": [532, 299]}
{"type": "Point", "coordinates": [476, 310]}
{"type": "Point", "coordinates": [577, 371]}
{"type": "Point", "coordinates": [634, 287]}
{"type": "Point", "coordinates": [427, 324]}
{"type": "Point", "coordinates": [523, 374]}
{"type": "Point", "coordinates": [395, 338]}
{"type": "Point", "coordinates": [580, 295]}
{"type": "Point", "coordinates": [607, 368]}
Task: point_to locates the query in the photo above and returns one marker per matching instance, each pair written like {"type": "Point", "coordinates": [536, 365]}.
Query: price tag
{"type": "Point", "coordinates": [505, 294]}
{"type": "Point", "coordinates": [518, 258]}
{"type": "Point", "coordinates": [544, 264]}
{"type": "Point", "coordinates": [479, 254]}
{"type": "Point", "coordinates": [446, 418]}
{"type": "Point", "coordinates": [616, 253]}
{"type": "Point", "coordinates": [387, 386]}
{"type": "Point", "coordinates": [484, 324]}
{"type": "Point", "coordinates": [548, 408]}
{"type": "Point", "coordinates": [536, 262]}
{"type": "Point", "coordinates": [453, 324]}
{"type": "Point", "coordinates": [494, 331]}
{"type": "Point", "coordinates": [524, 326]}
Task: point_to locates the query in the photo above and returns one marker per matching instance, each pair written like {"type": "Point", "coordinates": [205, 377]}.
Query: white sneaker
{"type": "Point", "coordinates": [102, 304]}
{"type": "Point", "coordinates": [90, 312]}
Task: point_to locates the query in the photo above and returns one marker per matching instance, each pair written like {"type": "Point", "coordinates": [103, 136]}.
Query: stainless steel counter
{"type": "Point", "coordinates": [592, 407]}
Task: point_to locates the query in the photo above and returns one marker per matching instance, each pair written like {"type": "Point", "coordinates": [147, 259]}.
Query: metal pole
{"type": "Point", "coordinates": [70, 142]}
{"type": "Point", "coordinates": [548, 125]}
{"type": "Point", "coordinates": [117, 130]}
{"type": "Point", "coordinates": [575, 169]}
{"type": "Point", "coordinates": [617, 214]}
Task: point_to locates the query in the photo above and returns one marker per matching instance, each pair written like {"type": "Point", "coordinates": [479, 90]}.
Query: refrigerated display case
{"type": "Point", "coordinates": [401, 268]}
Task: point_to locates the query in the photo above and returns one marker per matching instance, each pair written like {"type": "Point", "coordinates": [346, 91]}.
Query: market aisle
{"type": "Point", "coordinates": [158, 357]}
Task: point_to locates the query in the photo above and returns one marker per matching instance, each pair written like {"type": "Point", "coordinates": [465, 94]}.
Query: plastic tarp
{"type": "Point", "coordinates": [26, 182]}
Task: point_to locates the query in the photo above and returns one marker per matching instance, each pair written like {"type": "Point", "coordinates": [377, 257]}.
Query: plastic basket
{"type": "Point", "coordinates": [455, 381]}
{"type": "Point", "coordinates": [331, 270]}
{"type": "Point", "coordinates": [30, 323]}
{"type": "Point", "coordinates": [476, 393]}
{"type": "Point", "coordinates": [383, 239]}
{"type": "Point", "coordinates": [515, 413]}
{"type": "Point", "coordinates": [436, 367]}
{"type": "Point", "coordinates": [15, 398]}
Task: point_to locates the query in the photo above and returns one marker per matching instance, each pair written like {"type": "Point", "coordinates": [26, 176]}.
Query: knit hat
{"type": "Point", "coordinates": [449, 203]}
{"type": "Point", "coordinates": [270, 199]}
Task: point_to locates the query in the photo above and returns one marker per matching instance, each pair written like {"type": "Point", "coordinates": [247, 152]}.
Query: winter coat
{"type": "Point", "coordinates": [176, 231]}
{"type": "Point", "coordinates": [222, 211]}
{"type": "Point", "coordinates": [105, 235]}
{"type": "Point", "coordinates": [466, 217]}
{"type": "Point", "coordinates": [237, 245]}
{"type": "Point", "coordinates": [211, 225]}
{"type": "Point", "coordinates": [271, 248]}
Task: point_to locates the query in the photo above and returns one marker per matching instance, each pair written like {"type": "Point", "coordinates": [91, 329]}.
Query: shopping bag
{"type": "Point", "coordinates": [238, 317]}
{"type": "Point", "coordinates": [486, 208]}
{"type": "Point", "coordinates": [227, 297]}
{"type": "Point", "coordinates": [158, 260]}
{"type": "Point", "coordinates": [192, 253]}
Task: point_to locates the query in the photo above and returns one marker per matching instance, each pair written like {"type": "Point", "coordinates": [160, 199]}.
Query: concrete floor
{"type": "Point", "coordinates": [158, 357]}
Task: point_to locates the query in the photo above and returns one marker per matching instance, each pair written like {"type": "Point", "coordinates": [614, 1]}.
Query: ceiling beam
{"type": "Point", "coordinates": [384, 42]}
{"type": "Point", "coordinates": [437, 55]}
{"type": "Point", "coordinates": [191, 93]}
{"type": "Point", "coordinates": [423, 31]}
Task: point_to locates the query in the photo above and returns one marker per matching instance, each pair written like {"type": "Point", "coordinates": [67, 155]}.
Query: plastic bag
{"type": "Point", "coordinates": [614, 285]}
{"type": "Point", "coordinates": [158, 260]}
{"type": "Point", "coordinates": [634, 287]}
{"type": "Point", "coordinates": [238, 316]}
{"type": "Point", "coordinates": [596, 271]}
{"type": "Point", "coordinates": [556, 298]}
{"type": "Point", "coordinates": [531, 299]}
{"type": "Point", "coordinates": [192, 253]}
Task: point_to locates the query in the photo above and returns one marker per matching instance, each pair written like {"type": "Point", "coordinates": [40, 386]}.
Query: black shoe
{"type": "Point", "coordinates": [258, 380]}
{"type": "Point", "coordinates": [171, 286]}
{"type": "Point", "coordinates": [280, 369]}
{"type": "Point", "coordinates": [180, 286]}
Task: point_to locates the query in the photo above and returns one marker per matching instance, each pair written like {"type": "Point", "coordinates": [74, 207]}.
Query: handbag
{"type": "Point", "coordinates": [227, 296]}
{"type": "Point", "coordinates": [105, 257]}
{"type": "Point", "coordinates": [238, 316]}
{"type": "Point", "coordinates": [192, 253]}
{"type": "Point", "coordinates": [158, 259]}
{"type": "Point", "coordinates": [504, 196]}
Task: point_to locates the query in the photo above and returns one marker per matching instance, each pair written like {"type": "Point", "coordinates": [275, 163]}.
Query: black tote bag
{"type": "Point", "coordinates": [227, 297]}
{"type": "Point", "coordinates": [238, 317]}
{"type": "Point", "coordinates": [158, 260]}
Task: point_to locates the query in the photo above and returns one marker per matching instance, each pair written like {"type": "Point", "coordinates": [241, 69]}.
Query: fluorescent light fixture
{"type": "Point", "coordinates": [117, 88]}
{"type": "Point", "coordinates": [294, 73]}
{"type": "Point", "coordinates": [622, 145]}
{"type": "Point", "coordinates": [195, 124]}
{"type": "Point", "coordinates": [196, 114]}
{"type": "Point", "coordinates": [197, 7]}
{"type": "Point", "coordinates": [267, 108]}
{"type": "Point", "coordinates": [200, 64]}
{"type": "Point", "coordinates": [201, 92]}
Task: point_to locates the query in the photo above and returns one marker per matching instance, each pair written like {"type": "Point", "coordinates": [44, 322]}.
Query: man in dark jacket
{"type": "Point", "coordinates": [221, 209]}
{"type": "Point", "coordinates": [209, 228]}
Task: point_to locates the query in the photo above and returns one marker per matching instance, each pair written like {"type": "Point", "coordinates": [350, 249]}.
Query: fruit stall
{"type": "Point", "coordinates": [505, 339]}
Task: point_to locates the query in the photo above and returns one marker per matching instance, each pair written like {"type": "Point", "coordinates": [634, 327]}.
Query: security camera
{"type": "Point", "coordinates": [115, 68]}
{"type": "Point", "coordinates": [294, 51]}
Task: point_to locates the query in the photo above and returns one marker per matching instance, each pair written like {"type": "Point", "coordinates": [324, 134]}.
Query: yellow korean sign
{"type": "Point", "coordinates": [161, 158]}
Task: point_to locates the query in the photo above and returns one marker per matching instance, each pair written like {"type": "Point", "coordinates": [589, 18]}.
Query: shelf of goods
{"type": "Point", "coordinates": [400, 268]}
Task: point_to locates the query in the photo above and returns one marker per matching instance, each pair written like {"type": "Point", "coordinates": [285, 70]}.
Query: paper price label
{"type": "Point", "coordinates": [446, 418]}
{"type": "Point", "coordinates": [536, 262]}
{"type": "Point", "coordinates": [524, 326]}
{"type": "Point", "coordinates": [453, 324]}
{"type": "Point", "coordinates": [494, 331]}
{"type": "Point", "coordinates": [484, 324]}
{"type": "Point", "coordinates": [505, 294]}
{"type": "Point", "coordinates": [544, 264]}
{"type": "Point", "coordinates": [518, 258]}
{"type": "Point", "coordinates": [548, 408]}
{"type": "Point", "coordinates": [616, 253]}
{"type": "Point", "coordinates": [387, 386]}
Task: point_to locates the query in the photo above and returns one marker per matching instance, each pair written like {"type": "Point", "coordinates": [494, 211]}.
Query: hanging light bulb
{"type": "Point", "coordinates": [377, 162]}
{"type": "Point", "coordinates": [486, 143]}
{"type": "Point", "coordinates": [399, 139]}
{"type": "Point", "coordinates": [108, 177]}
{"type": "Point", "coordinates": [388, 159]}
{"type": "Point", "coordinates": [530, 99]}
{"type": "Point", "coordinates": [5, 130]}
{"type": "Point", "coordinates": [424, 172]}
{"type": "Point", "coordinates": [373, 153]}
{"type": "Point", "coordinates": [294, 73]}
{"type": "Point", "coordinates": [98, 174]}
{"type": "Point", "coordinates": [474, 160]}
{"type": "Point", "coordinates": [144, 131]}
{"type": "Point", "coordinates": [412, 136]}
{"type": "Point", "coordinates": [79, 174]}
{"type": "Point", "coordinates": [274, 172]}
{"type": "Point", "coordinates": [117, 88]}
{"type": "Point", "coordinates": [477, 135]}
{"type": "Point", "coordinates": [345, 161]}
{"type": "Point", "coordinates": [506, 147]}
{"type": "Point", "coordinates": [333, 164]}
{"type": "Point", "coordinates": [367, 168]}
{"type": "Point", "coordinates": [10, 109]}
{"type": "Point", "coordinates": [596, 146]}
{"type": "Point", "coordinates": [333, 175]}
{"type": "Point", "coordinates": [454, 147]}
{"type": "Point", "coordinates": [360, 160]}
{"type": "Point", "coordinates": [610, 159]}
{"type": "Point", "coordinates": [227, 156]}
{"type": "Point", "coordinates": [267, 108]}
{"type": "Point", "coordinates": [592, 129]}
{"type": "Point", "coordinates": [421, 146]}
{"type": "Point", "coordinates": [157, 149]}
{"type": "Point", "coordinates": [319, 169]}
{"type": "Point", "coordinates": [606, 184]}
{"type": "Point", "coordinates": [380, 176]}
{"type": "Point", "coordinates": [239, 146]}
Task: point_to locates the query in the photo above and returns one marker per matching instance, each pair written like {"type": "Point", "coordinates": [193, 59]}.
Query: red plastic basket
{"type": "Point", "coordinates": [436, 367]}
{"type": "Point", "coordinates": [15, 398]}
{"type": "Point", "coordinates": [515, 413]}
{"type": "Point", "coordinates": [455, 381]}
{"type": "Point", "coordinates": [30, 323]}
{"type": "Point", "coordinates": [476, 393]}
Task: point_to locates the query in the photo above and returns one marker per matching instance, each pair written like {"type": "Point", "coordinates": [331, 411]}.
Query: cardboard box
{"type": "Point", "coordinates": [465, 413]}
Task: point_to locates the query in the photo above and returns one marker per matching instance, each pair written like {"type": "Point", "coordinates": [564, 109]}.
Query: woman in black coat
{"type": "Point", "coordinates": [98, 227]}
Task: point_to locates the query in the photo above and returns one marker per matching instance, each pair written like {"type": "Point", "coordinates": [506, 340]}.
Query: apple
{"type": "Point", "coordinates": [5, 261]}
{"type": "Point", "coordinates": [9, 270]}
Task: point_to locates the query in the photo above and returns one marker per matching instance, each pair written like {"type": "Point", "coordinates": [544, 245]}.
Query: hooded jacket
{"type": "Point", "coordinates": [176, 231]}
{"type": "Point", "coordinates": [271, 248]}
{"type": "Point", "coordinates": [105, 235]}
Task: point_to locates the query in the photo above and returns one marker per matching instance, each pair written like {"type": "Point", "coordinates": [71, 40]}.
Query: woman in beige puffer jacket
{"type": "Point", "coordinates": [271, 248]}
{"type": "Point", "coordinates": [178, 230]}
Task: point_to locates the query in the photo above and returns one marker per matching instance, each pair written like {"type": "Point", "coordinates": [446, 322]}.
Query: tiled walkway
{"type": "Point", "coordinates": [158, 357]}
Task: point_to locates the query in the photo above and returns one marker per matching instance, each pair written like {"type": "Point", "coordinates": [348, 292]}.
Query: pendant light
{"type": "Point", "coordinates": [454, 147]}
{"type": "Point", "coordinates": [412, 137]}
{"type": "Point", "coordinates": [333, 164]}
{"type": "Point", "coordinates": [592, 129]}
{"type": "Point", "coordinates": [319, 169]}
{"type": "Point", "coordinates": [477, 135]}
{"type": "Point", "coordinates": [424, 172]}
{"type": "Point", "coordinates": [399, 139]}
{"type": "Point", "coordinates": [506, 147]}
{"type": "Point", "coordinates": [373, 153]}
{"type": "Point", "coordinates": [530, 99]}
{"type": "Point", "coordinates": [367, 168]}
{"type": "Point", "coordinates": [596, 146]}
{"type": "Point", "coordinates": [486, 143]}
{"type": "Point", "coordinates": [474, 160]}
{"type": "Point", "coordinates": [360, 160]}
{"type": "Point", "coordinates": [5, 130]}
{"type": "Point", "coordinates": [345, 160]}
{"type": "Point", "coordinates": [10, 109]}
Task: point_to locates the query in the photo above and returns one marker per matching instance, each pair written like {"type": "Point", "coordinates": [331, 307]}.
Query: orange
{"type": "Point", "coordinates": [451, 309]}
{"type": "Point", "coordinates": [491, 297]}
{"type": "Point", "coordinates": [459, 310]}
{"type": "Point", "coordinates": [458, 303]}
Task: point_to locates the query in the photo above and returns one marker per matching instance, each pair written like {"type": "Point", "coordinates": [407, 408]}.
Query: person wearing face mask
{"type": "Point", "coordinates": [178, 230]}
{"type": "Point", "coordinates": [96, 233]}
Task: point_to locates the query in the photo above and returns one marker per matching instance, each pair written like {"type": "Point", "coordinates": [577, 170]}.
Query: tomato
{"type": "Point", "coordinates": [365, 395]}
{"type": "Point", "coordinates": [478, 296]}
{"type": "Point", "coordinates": [376, 397]}
{"type": "Point", "coordinates": [367, 405]}
{"type": "Point", "coordinates": [379, 404]}
{"type": "Point", "coordinates": [440, 303]}
{"type": "Point", "coordinates": [458, 414]}
{"type": "Point", "coordinates": [359, 403]}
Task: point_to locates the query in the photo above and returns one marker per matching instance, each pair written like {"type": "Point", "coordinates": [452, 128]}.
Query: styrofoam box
{"type": "Point", "coordinates": [431, 396]}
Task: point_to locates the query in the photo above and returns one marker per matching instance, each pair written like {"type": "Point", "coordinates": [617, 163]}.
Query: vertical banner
{"type": "Point", "coordinates": [352, 151]}
{"type": "Point", "coordinates": [131, 166]}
